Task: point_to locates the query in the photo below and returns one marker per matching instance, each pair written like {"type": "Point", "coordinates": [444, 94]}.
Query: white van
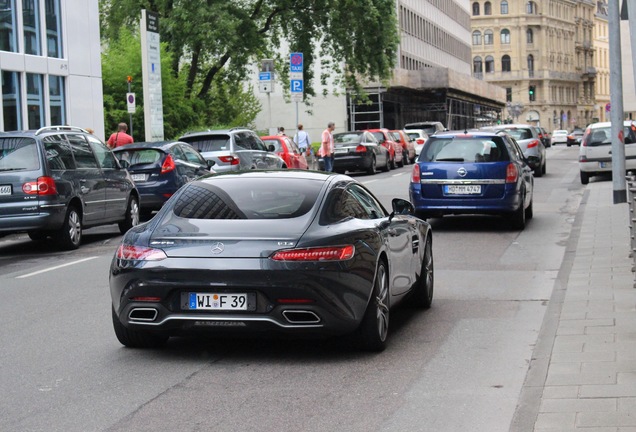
{"type": "Point", "coordinates": [595, 152]}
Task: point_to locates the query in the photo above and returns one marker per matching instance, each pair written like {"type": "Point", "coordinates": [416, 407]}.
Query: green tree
{"type": "Point", "coordinates": [209, 39]}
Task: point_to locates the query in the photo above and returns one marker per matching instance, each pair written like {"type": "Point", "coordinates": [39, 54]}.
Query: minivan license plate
{"type": "Point", "coordinates": [207, 301]}
{"type": "Point", "coordinates": [463, 189]}
{"type": "Point", "coordinates": [5, 189]}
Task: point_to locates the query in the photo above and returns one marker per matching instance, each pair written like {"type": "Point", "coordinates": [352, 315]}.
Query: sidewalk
{"type": "Point", "coordinates": [582, 375]}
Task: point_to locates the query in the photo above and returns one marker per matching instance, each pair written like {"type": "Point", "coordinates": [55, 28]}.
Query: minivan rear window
{"type": "Point", "coordinates": [208, 143]}
{"type": "Point", "coordinates": [18, 154]}
{"type": "Point", "coordinates": [470, 149]}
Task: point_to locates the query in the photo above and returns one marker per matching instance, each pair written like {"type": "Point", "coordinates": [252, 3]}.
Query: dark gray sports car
{"type": "Point", "coordinates": [292, 251]}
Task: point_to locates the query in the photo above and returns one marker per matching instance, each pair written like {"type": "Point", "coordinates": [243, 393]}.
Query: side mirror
{"type": "Point", "coordinates": [211, 163]}
{"type": "Point", "coordinates": [402, 207]}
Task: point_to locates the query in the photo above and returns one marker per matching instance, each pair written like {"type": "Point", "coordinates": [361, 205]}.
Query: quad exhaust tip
{"type": "Point", "coordinates": [143, 314]}
{"type": "Point", "coordinates": [301, 317]}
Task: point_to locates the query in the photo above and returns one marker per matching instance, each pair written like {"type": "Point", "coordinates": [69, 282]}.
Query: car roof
{"type": "Point", "coordinates": [216, 131]}
{"type": "Point", "coordinates": [283, 173]}
{"type": "Point", "coordinates": [163, 145]}
{"type": "Point", "coordinates": [465, 134]}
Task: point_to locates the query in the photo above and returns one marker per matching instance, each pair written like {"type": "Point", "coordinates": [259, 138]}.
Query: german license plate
{"type": "Point", "coordinates": [462, 189]}
{"type": "Point", "coordinates": [605, 164]}
{"type": "Point", "coordinates": [340, 150]}
{"type": "Point", "coordinates": [5, 189]}
{"type": "Point", "coordinates": [207, 301]}
{"type": "Point", "coordinates": [139, 177]}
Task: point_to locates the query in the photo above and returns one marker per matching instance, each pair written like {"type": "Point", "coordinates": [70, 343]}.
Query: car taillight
{"type": "Point", "coordinates": [331, 253]}
{"type": "Point", "coordinates": [533, 144]}
{"type": "Point", "coordinates": [582, 158]}
{"type": "Point", "coordinates": [139, 253]}
{"type": "Point", "coordinates": [361, 149]}
{"type": "Point", "coordinates": [416, 175]}
{"type": "Point", "coordinates": [570, 137]}
{"type": "Point", "coordinates": [420, 140]}
{"type": "Point", "coordinates": [168, 165]}
{"type": "Point", "coordinates": [512, 174]}
{"type": "Point", "coordinates": [42, 186]}
{"type": "Point", "coordinates": [232, 160]}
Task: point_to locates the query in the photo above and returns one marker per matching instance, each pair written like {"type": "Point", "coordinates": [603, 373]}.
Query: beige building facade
{"type": "Point", "coordinates": [542, 53]}
{"type": "Point", "coordinates": [601, 63]}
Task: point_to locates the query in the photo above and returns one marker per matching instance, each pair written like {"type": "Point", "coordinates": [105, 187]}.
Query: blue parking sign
{"type": "Point", "coordinates": [296, 86]}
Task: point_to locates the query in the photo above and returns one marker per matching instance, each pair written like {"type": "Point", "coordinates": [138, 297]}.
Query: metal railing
{"type": "Point", "coordinates": [631, 200]}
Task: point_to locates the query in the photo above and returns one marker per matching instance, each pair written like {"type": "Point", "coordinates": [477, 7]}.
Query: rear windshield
{"type": "Point", "coordinates": [273, 142]}
{"type": "Point", "coordinates": [347, 138]}
{"type": "Point", "coordinates": [208, 143]}
{"type": "Point", "coordinates": [413, 135]}
{"type": "Point", "coordinates": [254, 198]}
{"type": "Point", "coordinates": [519, 133]}
{"type": "Point", "coordinates": [469, 149]}
{"type": "Point", "coordinates": [602, 136]}
{"type": "Point", "coordinates": [18, 154]}
{"type": "Point", "coordinates": [140, 156]}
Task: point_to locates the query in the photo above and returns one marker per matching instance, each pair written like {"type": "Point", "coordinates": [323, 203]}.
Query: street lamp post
{"type": "Point", "coordinates": [616, 100]}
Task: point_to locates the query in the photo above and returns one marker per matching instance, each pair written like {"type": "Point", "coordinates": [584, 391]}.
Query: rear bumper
{"type": "Point", "coordinates": [49, 220]}
{"type": "Point", "coordinates": [509, 202]}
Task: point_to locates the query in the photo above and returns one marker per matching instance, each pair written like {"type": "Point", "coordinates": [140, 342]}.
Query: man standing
{"type": "Point", "coordinates": [120, 137]}
{"type": "Point", "coordinates": [326, 147]}
{"type": "Point", "coordinates": [302, 140]}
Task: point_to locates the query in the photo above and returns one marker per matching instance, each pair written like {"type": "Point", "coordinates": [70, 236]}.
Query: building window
{"type": "Point", "coordinates": [7, 26]}
{"type": "Point", "coordinates": [53, 28]}
{"type": "Point", "coordinates": [31, 19]}
{"type": "Point", "coordinates": [487, 8]}
{"type": "Point", "coordinates": [529, 36]}
{"type": "Point", "coordinates": [505, 37]}
{"type": "Point", "coordinates": [504, 7]}
{"type": "Point", "coordinates": [12, 111]}
{"type": "Point", "coordinates": [475, 9]}
{"type": "Point", "coordinates": [531, 62]}
{"type": "Point", "coordinates": [477, 67]}
{"type": "Point", "coordinates": [488, 37]}
{"type": "Point", "coordinates": [490, 64]}
{"type": "Point", "coordinates": [505, 63]}
{"type": "Point", "coordinates": [531, 8]}
{"type": "Point", "coordinates": [35, 100]}
{"type": "Point", "coordinates": [57, 100]}
{"type": "Point", "coordinates": [508, 94]}
{"type": "Point", "coordinates": [476, 37]}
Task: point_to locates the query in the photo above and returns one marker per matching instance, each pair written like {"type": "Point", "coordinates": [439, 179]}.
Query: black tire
{"type": "Point", "coordinates": [136, 338]}
{"type": "Point", "coordinates": [69, 237]}
{"type": "Point", "coordinates": [422, 296]}
{"type": "Point", "coordinates": [400, 164]}
{"type": "Point", "coordinates": [393, 164]}
{"type": "Point", "coordinates": [38, 235]}
{"type": "Point", "coordinates": [518, 220]}
{"type": "Point", "coordinates": [387, 167]}
{"type": "Point", "coordinates": [132, 215]}
{"type": "Point", "coordinates": [529, 211]}
{"type": "Point", "coordinates": [585, 178]}
{"type": "Point", "coordinates": [371, 169]}
{"type": "Point", "coordinates": [538, 171]}
{"type": "Point", "coordinates": [374, 328]}
{"type": "Point", "coordinates": [544, 169]}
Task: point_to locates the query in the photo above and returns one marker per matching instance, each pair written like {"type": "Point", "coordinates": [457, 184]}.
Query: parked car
{"type": "Point", "coordinates": [287, 149]}
{"type": "Point", "coordinates": [160, 168]}
{"type": "Point", "coordinates": [358, 151]}
{"type": "Point", "coordinates": [547, 137]}
{"type": "Point", "coordinates": [430, 127]}
{"type": "Point", "coordinates": [407, 143]}
{"type": "Point", "coordinates": [575, 137]}
{"type": "Point", "coordinates": [559, 136]}
{"type": "Point", "coordinates": [528, 139]}
{"type": "Point", "coordinates": [299, 252]}
{"type": "Point", "coordinates": [420, 137]}
{"type": "Point", "coordinates": [59, 180]}
{"type": "Point", "coordinates": [395, 150]}
{"type": "Point", "coordinates": [595, 152]}
{"type": "Point", "coordinates": [233, 149]}
{"type": "Point", "coordinates": [543, 136]}
{"type": "Point", "coordinates": [473, 173]}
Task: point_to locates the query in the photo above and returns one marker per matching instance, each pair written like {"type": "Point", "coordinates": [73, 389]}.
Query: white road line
{"type": "Point", "coordinates": [398, 174]}
{"type": "Point", "coordinates": [369, 181]}
{"type": "Point", "coordinates": [55, 268]}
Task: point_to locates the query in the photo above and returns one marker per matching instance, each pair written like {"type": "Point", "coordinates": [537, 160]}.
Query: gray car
{"type": "Point", "coordinates": [530, 143]}
{"type": "Point", "coordinates": [235, 149]}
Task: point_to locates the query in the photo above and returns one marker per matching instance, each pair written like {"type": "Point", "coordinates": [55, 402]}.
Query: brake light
{"type": "Point", "coordinates": [420, 140]}
{"type": "Point", "coordinates": [42, 186]}
{"type": "Point", "coordinates": [168, 165]}
{"type": "Point", "coordinates": [582, 158]}
{"type": "Point", "coordinates": [139, 253]}
{"type": "Point", "coordinates": [146, 299]}
{"type": "Point", "coordinates": [533, 144]}
{"type": "Point", "coordinates": [232, 160]}
{"type": "Point", "coordinates": [416, 174]}
{"type": "Point", "coordinates": [512, 174]}
{"type": "Point", "coordinates": [331, 253]}
{"type": "Point", "coordinates": [361, 149]}
{"type": "Point", "coordinates": [295, 300]}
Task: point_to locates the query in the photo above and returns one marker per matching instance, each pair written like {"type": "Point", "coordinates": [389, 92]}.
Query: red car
{"type": "Point", "coordinates": [408, 146]}
{"type": "Point", "coordinates": [287, 149]}
{"type": "Point", "coordinates": [395, 149]}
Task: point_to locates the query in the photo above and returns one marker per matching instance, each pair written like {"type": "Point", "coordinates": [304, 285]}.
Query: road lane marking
{"type": "Point", "coordinates": [369, 181]}
{"type": "Point", "coordinates": [398, 174]}
{"type": "Point", "coordinates": [55, 268]}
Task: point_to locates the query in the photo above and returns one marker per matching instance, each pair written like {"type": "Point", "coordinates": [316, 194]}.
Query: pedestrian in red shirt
{"type": "Point", "coordinates": [120, 137]}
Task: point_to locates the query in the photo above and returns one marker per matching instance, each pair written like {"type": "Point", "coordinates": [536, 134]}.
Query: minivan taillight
{"type": "Point", "coordinates": [168, 165]}
{"type": "Point", "coordinates": [232, 160]}
{"type": "Point", "coordinates": [416, 174]}
{"type": "Point", "coordinates": [43, 186]}
{"type": "Point", "coordinates": [512, 174]}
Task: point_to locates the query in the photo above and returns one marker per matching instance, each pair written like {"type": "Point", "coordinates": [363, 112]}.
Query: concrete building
{"type": "Point", "coordinates": [541, 52]}
{"type": "Point", "coordinates": [50, 64]}
{"type": "Point", "coordinates": [601, 64]}
{"type": "Point", "coordinates": [432, 81]}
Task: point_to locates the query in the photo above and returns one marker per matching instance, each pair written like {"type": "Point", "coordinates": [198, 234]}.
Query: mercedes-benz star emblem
{"type": "Point", "coordinates": [217, 248]}
{"type": "Point", "coordinates": [462, 172]}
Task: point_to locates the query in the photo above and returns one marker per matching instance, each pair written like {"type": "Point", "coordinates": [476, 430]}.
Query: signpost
{"type": "Point", "coordinates": [296, 80]}
{"type": "Point", "coordinates": [266, 84]}
{"type": "Point", "coordinates": [151, 74]}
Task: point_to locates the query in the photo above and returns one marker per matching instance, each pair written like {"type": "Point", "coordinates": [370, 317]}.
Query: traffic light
{"type": "Point", "coordinates": [532, 95]}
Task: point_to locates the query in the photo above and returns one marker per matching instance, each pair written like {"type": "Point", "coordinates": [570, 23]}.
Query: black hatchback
{"type": "Point", "coordinates": [58, 180]}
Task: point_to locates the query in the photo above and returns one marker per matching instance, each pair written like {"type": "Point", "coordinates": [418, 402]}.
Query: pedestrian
{"type": "Point", "coordinates": [326, 147]}
{"type": "Point", "coordinates": [281, 131]}
{"type": "Point", "coordinates": [120, 137]}
{"type": "Point", "coordinates": [302, 140]}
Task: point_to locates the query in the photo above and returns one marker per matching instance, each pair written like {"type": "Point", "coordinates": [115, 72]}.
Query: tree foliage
{"type": "Point", "coordinates": [216, 41]}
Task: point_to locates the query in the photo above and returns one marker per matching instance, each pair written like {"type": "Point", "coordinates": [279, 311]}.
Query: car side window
{"type": "Point", "coordinates": [58, 153]}
{"type": "Point", "coordinates": [342, 205]}
{"type": "Point", "coordinates": [241, 142]}
{"type": "Point", "coordinates": [371, 206]}
{"type": "Point", "coordinates": [292, 145]}
{"type": "Point", "coordinates": [104, 156]}
{"type": "Point", "coordinates": [82, 153]}
{"type": "Point", "coordinates": [177, 154]}
{"type": "Point", "coordinates": [256, 143]}
{"type": "Point", "coordinates": [191, 155]}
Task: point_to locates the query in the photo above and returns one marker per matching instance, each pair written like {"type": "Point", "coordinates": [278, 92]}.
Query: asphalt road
{"type": "Point", "coordinates": [456, 367]}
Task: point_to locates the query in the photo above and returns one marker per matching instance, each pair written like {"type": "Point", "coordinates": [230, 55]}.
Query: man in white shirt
{"type": "Point", "coordinates": [302, 139]}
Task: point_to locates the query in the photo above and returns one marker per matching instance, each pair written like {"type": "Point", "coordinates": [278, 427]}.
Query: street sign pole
{"type": "Point", "coordinates": [616, 100]}
{"type": "Point", "coordinates": [129, 79]}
